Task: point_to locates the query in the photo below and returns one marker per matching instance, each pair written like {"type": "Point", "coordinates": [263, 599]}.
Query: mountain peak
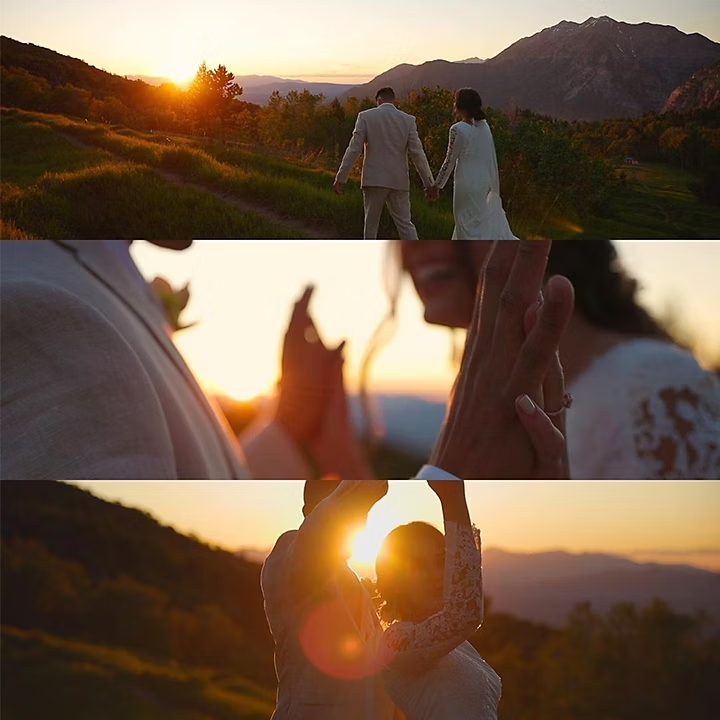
{"type": "Point", "coordinates": [592, 21]}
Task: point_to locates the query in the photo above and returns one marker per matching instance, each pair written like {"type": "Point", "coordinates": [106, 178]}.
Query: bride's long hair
{"type": "Point", "coordinates": [469, 101]}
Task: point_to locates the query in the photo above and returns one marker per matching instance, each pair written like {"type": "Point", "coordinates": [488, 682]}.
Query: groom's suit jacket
{"type": "Point", "coordinates": [387, 135]}
{"type": "Point", "coordinates": [91, 384]}
{"type": "Point", "coordinates": [321, 618]}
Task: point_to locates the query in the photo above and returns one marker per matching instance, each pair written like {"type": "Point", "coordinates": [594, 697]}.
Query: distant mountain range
{"type": "Point", "coordinates": [545, 587]}
{"type": "Point", "coordinates": [594, 70]}
{"type": "Point", "coordinates": [409, 422]}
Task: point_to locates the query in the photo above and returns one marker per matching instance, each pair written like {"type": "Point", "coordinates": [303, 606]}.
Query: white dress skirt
{"type": "Point", "coordinates": [477, 206]}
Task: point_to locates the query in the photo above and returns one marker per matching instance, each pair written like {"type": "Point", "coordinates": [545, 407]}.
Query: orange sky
{"type": "Point", "coordinates": [242, 291]}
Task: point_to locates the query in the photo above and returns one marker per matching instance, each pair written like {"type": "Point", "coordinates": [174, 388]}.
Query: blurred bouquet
{"type": "Point", "coordinates": [173, 301]}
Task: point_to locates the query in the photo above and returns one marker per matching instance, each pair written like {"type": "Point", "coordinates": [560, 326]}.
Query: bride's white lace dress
{"type": "Point", "coordinates": [477, 206]}
{"type": "Point", "coordinates": [430, 670]}
{"type": "Point", "coordinates": [645, 410]}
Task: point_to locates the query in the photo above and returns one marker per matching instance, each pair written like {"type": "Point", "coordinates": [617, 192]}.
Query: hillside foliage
{"type": "Point", "coordinates": [115, 605]}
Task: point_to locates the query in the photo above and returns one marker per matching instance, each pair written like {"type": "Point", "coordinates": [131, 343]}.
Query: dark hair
{"type": "Point", "coordinates": [605, 295]}
{"type": "Point", "coordinates": [469, 101]}
{"type": "Point", "coordinates": [387, 94]}
{"type": "Point", "coordinates": [398, 553]}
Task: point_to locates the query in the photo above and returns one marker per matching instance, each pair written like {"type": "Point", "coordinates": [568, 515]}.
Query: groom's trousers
{"type": "Point", "coordinates": [398, 203]}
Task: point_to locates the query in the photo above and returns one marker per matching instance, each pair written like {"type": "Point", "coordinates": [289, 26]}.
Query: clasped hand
{"type": "Point", "coordinates": [496, 427]}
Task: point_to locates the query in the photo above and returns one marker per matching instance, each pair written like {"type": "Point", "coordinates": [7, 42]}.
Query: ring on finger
{"type": "Point", "coordinates": [566, 405]}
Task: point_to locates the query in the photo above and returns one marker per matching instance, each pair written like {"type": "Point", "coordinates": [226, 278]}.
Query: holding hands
{"type": "Point", "coordinates": [495, 426]}
{"type": "Point", "coordinates": [506, 416]}
{"type": "Point", "coordinates": [307, 365]}
{"type": "Point", "coordinates": [432, 193]}
{"type": "Point", "coordinates": [313, 404]}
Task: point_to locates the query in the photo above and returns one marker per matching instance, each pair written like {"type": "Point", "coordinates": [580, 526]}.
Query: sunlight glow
{"type": "Point", "coordinates": [367, 542]}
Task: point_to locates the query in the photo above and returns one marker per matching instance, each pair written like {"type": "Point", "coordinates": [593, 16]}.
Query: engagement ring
{"type": "Point", "coordinates": [567, 404]}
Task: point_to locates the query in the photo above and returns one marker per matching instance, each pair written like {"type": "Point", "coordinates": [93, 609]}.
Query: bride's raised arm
{"type": "Point", "coordinates": [417, 645]}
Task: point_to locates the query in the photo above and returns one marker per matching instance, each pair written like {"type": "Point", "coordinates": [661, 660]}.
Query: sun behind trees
{"type": "Point", "coordinates": [211, 99]}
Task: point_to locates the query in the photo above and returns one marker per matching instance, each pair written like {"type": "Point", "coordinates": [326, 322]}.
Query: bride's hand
{"type": "Point", "coordinates": [482, 437]}
{"type": "Point", "coordinates": [547, 433]}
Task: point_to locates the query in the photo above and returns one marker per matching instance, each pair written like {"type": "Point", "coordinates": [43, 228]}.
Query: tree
{"type": "Point", "coordinates": [211, 97]}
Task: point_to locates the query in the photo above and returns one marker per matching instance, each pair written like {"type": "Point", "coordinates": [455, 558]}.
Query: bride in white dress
{"type": "Point", "coordinates": [477, 206]}
{"type": "Point", "coordinates": [432, 587]}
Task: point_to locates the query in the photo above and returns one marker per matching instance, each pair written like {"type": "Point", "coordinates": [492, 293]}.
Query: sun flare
{"type": "Point", "coordinates": [366, 543]}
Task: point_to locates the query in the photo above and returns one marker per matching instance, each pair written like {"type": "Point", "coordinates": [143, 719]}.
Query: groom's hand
{"type": "Point", "coordinates": [306, 365]}
{"type": "Point", "coordinates": [482, 437]}
{"type": "Point", "coordinates": [339, 187]}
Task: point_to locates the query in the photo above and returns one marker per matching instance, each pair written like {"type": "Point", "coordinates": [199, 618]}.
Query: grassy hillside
{"type": "Point", "coordinates": [57, 173]}
{"type": "Point", "coordinates": [59, 181]}
{"type": "Point", "coordinates": [656, 203]}
{"type": "Point", "coordinates": [47, 677]}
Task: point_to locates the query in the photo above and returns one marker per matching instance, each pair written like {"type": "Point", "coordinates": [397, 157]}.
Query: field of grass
{"type": "Point", "coordinates": [55, 188]}
{"type": "Point", "coordinates": [656, 203]}
{"type": "Point", "coordinates": [64, 177]}
{"type": "Point", "coordinates": [49, 678]}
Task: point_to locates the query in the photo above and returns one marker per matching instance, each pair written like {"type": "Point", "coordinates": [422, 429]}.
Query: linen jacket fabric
{"type": "Point", "coordinates": [92, 386]}
{"type": "Point", "coordinates": [387, 135]}
{"type": "Point", "coordinates": [316, 608]}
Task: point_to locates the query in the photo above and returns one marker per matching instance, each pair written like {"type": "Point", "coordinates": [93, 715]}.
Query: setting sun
{"type": "Point", "coordinates": [367, 542]}
{"type": "Point", "coordinates": [180, 69]}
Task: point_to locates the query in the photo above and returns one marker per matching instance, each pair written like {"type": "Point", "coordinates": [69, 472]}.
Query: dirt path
{"type": "Point", "coordinates": [226, 197]}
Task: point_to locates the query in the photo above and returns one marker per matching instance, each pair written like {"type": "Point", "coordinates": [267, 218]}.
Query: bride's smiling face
{"type": "Point", "coordinates": [445, 276]}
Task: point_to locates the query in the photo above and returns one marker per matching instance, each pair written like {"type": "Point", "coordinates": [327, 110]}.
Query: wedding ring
{"type": "Point", "coordinates": [311, 336]}
{"type": "Point", "coordinates": [567, 404]}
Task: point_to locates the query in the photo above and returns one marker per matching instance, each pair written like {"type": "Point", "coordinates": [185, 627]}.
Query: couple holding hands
{"type": "Point", "coordinates": [386, 136]}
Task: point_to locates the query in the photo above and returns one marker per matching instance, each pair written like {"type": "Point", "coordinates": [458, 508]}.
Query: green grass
{"type": "Point", "coordinates": [45, 676]}
{"type": "Point", "coordinates": [31, 149]}
{"type": "Point", "coordinates": [89, 194]}
{"type": "Point", "coordinates": [654, 203]}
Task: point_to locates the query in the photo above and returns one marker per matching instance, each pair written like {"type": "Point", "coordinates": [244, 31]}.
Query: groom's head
{"type": "Point", "coordinates": [316, 491]}
{"type": "Point", "coordinates": [385, 95]}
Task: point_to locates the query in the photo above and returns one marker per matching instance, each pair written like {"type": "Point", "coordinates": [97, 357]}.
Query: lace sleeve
{"type": "Point", "coordinates": [417, 645]}
{"type": "Point", "coordinates": [455, 142]}
{"type": "Point", "coordinates": [676, 432]}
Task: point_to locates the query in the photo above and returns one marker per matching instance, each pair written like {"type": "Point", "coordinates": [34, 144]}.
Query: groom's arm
{"type": "Point", "coordinates": [418, 156]}
{"type": "Point", "coordinates": [355, 147]}
{"type": "Point", "coordinates": [321, 543]}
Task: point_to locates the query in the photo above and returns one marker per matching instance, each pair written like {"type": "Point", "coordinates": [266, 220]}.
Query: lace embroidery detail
{"type": "Point", "coordinates": [661, 420]}
{"type": "Point", "coordinates": [675, 435]}
{"type": "Point", "coordinates": [451, 158]}
{"type": "Point", "coordinates": [420, 644]}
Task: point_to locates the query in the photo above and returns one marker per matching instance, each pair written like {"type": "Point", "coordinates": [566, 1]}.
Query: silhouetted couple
{"type": "Point", "coordinates": [387, 135]}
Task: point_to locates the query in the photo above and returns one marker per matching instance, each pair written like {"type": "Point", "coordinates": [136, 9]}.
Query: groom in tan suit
{"type": "Point", "coordinates": [387, 136]}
